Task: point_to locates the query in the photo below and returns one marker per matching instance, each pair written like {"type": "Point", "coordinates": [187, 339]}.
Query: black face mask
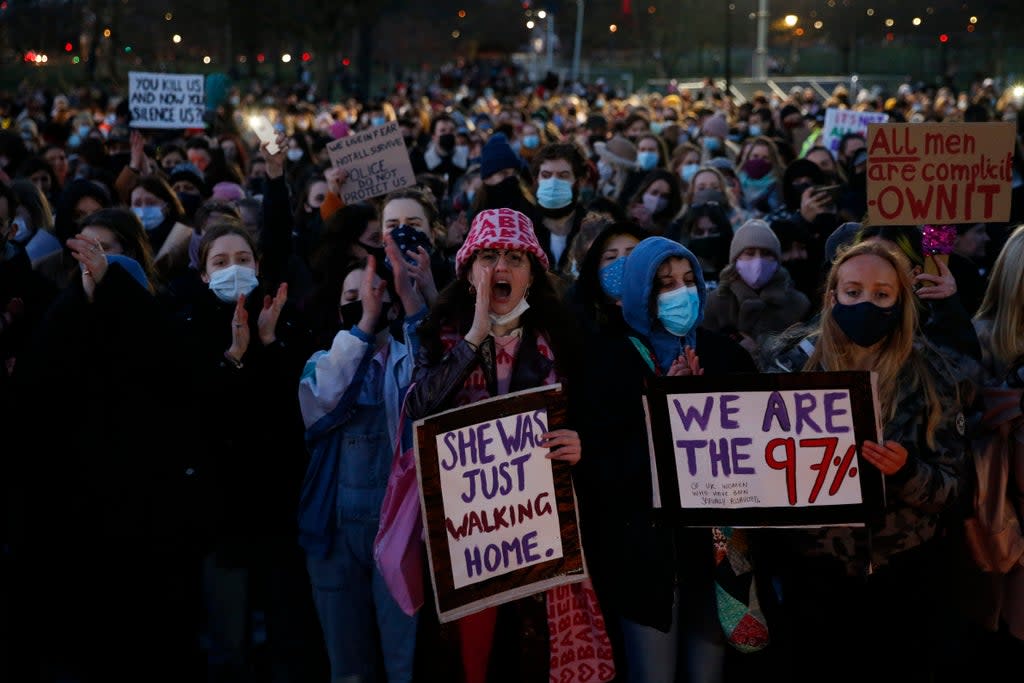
{"type": "Point", "coordinates": [504, 195]}
{"type": "Point", "coordinates": [190, 201]}
{"type": "Point", "coordinates": [447, 142]}
{"type": "Point", "coordinates": [865, 323]}
{"type": "Point", "coordinates": [352, 312]}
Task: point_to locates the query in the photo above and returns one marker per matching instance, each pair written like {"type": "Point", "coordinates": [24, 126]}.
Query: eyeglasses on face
{"type": "Point", "coordinates": [514, 259]}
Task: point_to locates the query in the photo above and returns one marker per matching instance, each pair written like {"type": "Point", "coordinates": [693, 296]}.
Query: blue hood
{"type": "Point", "coordinates": [637, 285]}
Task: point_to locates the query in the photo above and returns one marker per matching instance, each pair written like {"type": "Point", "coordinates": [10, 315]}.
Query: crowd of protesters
{"type": "Point", "coordinates": [207, 361]}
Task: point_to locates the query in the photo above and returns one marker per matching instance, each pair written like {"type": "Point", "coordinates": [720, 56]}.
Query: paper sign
{"type": "Point", "coordinates": [730, 452]}
{"type": "Point", "coordinates": [500, 517]}
{"type": "Point", "coordinates": [939, 173]}
{"type": "Point", "coordinates": [839, 122]}
{"type": "Point", "coordinates": [160, 100]}
{"type": "Point", "coordinates": [377, 162]}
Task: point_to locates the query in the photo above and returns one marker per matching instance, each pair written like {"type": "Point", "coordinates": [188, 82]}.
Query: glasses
{"type": "Point", "coordinates": [514, 259]}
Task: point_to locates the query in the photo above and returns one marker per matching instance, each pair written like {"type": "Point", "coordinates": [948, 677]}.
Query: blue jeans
{"type": "Point", "coordinates": [361, 622]}
{"type": "Point", "coordinates": [656, 657]}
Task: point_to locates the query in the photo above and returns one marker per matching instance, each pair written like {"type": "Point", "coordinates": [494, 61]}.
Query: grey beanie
{"type": "Point", "coordinates": [754, 233]}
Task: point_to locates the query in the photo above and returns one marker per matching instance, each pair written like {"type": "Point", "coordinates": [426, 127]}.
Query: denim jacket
{"type": "Point", "coordinates": [351, 406]}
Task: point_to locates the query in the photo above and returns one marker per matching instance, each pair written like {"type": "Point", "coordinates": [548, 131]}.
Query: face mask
{"type": "Point", "coordinates": [24, 232]}
{"type": "Point", "coordinates": [294, 154]}
{"type": "Point", "coordinates": [470, 196]}
{"type": "Point", "coordinates": [531, 141]}
{"type": "Point", "coordinates": [83, 131]}
{"type": "Point", "coordinates": [447, 142]}
{"type": "Point", "coordinates": [712, 145]}
{"type": "Point", "coordinates": [693, 131]}
{"type": "Point", "coordinates": [599, 104]}
{"type": "Point", "coordinates": [678, 309]}
{"type": "Point", "coordinates": [232, 281]}
{"type": "Point", "coordinates": [190, 201]}
{"type": "Point", "coordinates": [757, 168]}
{"type": "Point", "coordinates": [687, 171]}
{"type": "Point", "coordinates": [657, 127]}
{"type": "Point", "coordinates": [754, 130]}
{"type": "Point", "coordinates": [505, 194]}
{"type": "Point", "coordinates": [647, 160]}
{"type": "Point", "coordinates": [654, 203]}
{"type": "Point", "coordinates": [408, 238]}
{"type": "Point", "coordinates": [706, 247]}
{"type": "Point", "coordinates": [611, 278]}
{"type": "Point", "coordinates": [865, 323]}
{"type": "Point", "coordinates": [462, 149]}
{"type": "Point", "coordinates": [512, 315]}
{"type": "Point", "coordinates": [757, 271]}
{"type": "Point", "coordinates": [352, 312]}
{"type": "Point", "coordinates": [378, 121]}
{"type": "Point", "coordinates": [605, 171]}
{"type": "Point", "coordinates": [151, 216]}
{"type": "Point", "coordinates": [554, 193]}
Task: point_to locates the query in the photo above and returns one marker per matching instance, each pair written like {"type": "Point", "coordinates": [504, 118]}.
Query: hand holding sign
{"type": "Point", "coordinates": [889, 457]}
{"type": "Point", "coordinates": [265, 132]}
{"type": "Point", "coordinates": [564, 445]}
{"type": "Point", "coordinates": [275, 159]}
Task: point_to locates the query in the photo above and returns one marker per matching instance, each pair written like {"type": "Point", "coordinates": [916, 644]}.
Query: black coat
{"type": "Point", "coordinates": [635, 557]}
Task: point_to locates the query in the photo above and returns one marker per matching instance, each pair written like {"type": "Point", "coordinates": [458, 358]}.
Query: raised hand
{"type": "Point", "coordinates": [482, 312]}
{"type": "Point", "coordinates": [239, 331]}
{"type": "Point", "coordinates": [275, 162]}
{"type": "Point", "coordinates": [941, 286]}
{"type": "Point", "coordinates": [371, 294]}
{"type": "Point", "coordinates": [687, 364]}
{"type": "Point", "coordinates": [405, 286]}
{"type": "Point", "coordinates": [89, 254]}
{"type": "Point", "coordinates": [267, 323]}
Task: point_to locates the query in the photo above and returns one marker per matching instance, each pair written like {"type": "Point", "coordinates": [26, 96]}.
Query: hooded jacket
{"type": "Point", "coordinates": [638, 283]}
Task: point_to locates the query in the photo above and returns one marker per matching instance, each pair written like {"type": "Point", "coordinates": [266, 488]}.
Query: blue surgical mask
{"type": "Point", "coordinates": [687, 171]}
{"type": "Point", "coordinates": [233, 281]}
{"type": "Point", "coordinates": [712, 144]}
{"type": "Point", "coordinates": [151, 216]}
{"type": "Point", "coordinates": [531, 141]}
{"type": "Point", "coordinates": [378, 121]}
{"type": "Point", "coordinates": [470, 195]}
{"type": "Point", "coordinates": [83, 131]}
{"type": "Point", "coordinates": [611, 278]}
{"type": "Point", "coordinates": [24, 231]}
{"type": "Point", "coordinates": [554, 193]}
{"type": "Point", "coordinates": [647, 160]}
{"type": "Point", "coordinates": [657, 127]}
{"type": "Point", "coordinates": [754, 130]}
{"type": "Point", "coordinates": [678, 310]}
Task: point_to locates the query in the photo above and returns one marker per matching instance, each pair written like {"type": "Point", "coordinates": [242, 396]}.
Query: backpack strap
{"type": "Point", "coordinates": [646, 354]}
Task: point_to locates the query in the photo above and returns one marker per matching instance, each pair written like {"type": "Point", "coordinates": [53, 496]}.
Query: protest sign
{"type": "Point", "coordinates": [500, 517]}
{"type": "Point", "coordinates": [377, 162]}
{"type": "Point", "coordinates": [765, 450]}
{"type": "Point", "coordinates": [161, 100]}
{"type": "Point", "coordinates": [839, 122]}
{"type": "Point", "coordinates": [939, 173]}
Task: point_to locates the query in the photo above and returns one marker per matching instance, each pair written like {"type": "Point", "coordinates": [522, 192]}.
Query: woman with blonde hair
{"type": "Point", "coordinates": [890, 580]}
{"type": "Point", "coordinates": [760, 170]}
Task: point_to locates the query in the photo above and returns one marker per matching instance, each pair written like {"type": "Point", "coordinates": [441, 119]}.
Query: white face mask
{"type": "Point", "coordinates": [294, 154]}
{"type": "Point", "coordinates": [232, 281]}
{"type": "Point", "coordinates": [654, 203]}
{"type": "Point", "coordinates": [512, 315]}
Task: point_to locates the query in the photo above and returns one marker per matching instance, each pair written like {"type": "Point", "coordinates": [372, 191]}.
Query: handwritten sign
{"type": "Point", "coordinates": [765, 450]}
{"type": "Point", "coordinates": [166, 100]}
{"type": "Point", "coordinates": [377, 162]}
{"type": "Point", "coordinates": [500, 517]}
{"type": "Point", "coordinates": [839, 122]}
{"type": "Point", "coordinates": [939, 172]}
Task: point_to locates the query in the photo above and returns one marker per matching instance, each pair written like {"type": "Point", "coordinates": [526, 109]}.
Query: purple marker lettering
{"type": "Point", "coordinates": [449, 442]}
{"type": "Point", "coordinates": [805, 404]}
{"type": "Point", "coordinates": [737, 456]}
{"type": "Point", "coordinates": [692, 414]}
{"type": "Point", "coordinates": [690, 446]}
{"type": "Point", "coordinates": [831, 411]}
{"type": "Point", "coordinates": [719, 456]}
{"type": "Point", "coordinates": [725, 411]}
{"type": "Point", "coordinates": [482, 440]}
{"type": "Point", "coordinates": [776, 409]}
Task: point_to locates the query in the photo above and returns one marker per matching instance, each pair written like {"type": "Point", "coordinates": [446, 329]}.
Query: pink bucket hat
{"type": "Point", "coordinates": [500, 229]}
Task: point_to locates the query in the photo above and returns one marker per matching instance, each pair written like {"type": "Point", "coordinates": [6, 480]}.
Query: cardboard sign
{"type": "Point", "coordinates": [939, 173]}
{"type": "Point", "coordinates": [166, 100]}
{"type": "Point", "coordinates": [839, 122]}
{"type": "Point", "coordinates": [377, 162]}
{"type": "Point", "coordinates": [765, 450]}
{"type": "Point", "coordinates": [500, 517]}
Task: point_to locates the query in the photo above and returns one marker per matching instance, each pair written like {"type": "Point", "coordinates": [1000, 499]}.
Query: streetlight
{"type": "Point", "coordinates": [791, 20]}
{"type": "Point", "coordinates": [577, 43]}
{"type": "Point", "coordinates": [176, 39]}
